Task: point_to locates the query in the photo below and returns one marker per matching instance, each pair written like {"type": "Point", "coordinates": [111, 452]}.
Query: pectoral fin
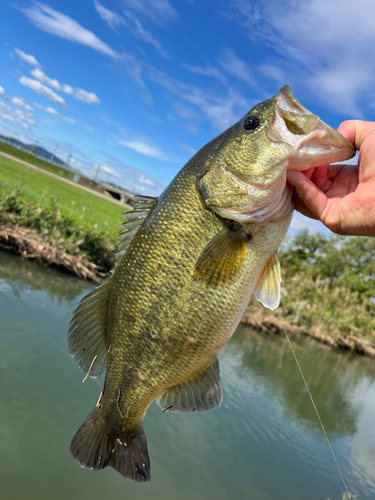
{"type": "Point", "coordinates": [222, 258]}
{"type": "Point", "coordinates": [268, 287]}
{"type": "Point", "coordinates": [202, 393]}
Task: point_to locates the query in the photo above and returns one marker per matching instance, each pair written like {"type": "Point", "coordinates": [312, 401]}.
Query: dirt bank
{"type": "Point", "coordinates": [261, 319]}
{"type": "Point", "coordinates": [30, 244]}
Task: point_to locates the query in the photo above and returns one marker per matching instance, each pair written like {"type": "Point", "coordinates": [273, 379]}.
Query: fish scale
{"type": "Point", "coordinates": [184, 275]}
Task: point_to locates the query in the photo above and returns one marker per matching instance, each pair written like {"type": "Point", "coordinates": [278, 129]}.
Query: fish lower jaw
{"type": "Point", "coordinates": [264, 212]}
{"type": "Point", "coordinates": [314, 144]}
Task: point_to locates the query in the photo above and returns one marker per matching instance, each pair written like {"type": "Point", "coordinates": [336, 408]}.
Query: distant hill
{"type": "Point", "coordinates": [32, 149]}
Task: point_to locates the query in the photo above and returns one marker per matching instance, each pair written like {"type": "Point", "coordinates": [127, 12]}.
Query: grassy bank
{"type": "Point", "coordinates": [29, 158]}
{"type": "Point", "coordinates": [77, 221]}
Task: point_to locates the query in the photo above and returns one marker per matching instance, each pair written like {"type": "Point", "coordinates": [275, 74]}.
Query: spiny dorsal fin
{"type": "Point", "coordinates": [222, 258]}
{"type": "Point", "coordinates": [268, 287]}
{"type": "Point", "coordinates": [202, 393]}
{"type": "Point", "coordinates": [88, 343]}
{"type": "Point", "coordinates": [87, 338]}
{"type": "Point", "coordinates": [143, 207]}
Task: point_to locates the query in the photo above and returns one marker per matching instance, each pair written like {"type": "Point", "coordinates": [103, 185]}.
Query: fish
{"type": "Point", "coordinates": [186, 268]}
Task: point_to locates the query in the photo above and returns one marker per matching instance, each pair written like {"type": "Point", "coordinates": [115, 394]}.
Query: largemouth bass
{"type": "Point", "coordinates": [186, 269]}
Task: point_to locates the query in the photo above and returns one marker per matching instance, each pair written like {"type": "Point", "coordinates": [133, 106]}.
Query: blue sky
{"type": "Point", "coordinates": [139, 85]}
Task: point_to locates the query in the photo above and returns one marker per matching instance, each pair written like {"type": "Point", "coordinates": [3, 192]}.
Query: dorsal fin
{"type": "Point", "coordinates": [88, 343]}
{"type": "Point", "coordinates": [143, 207]}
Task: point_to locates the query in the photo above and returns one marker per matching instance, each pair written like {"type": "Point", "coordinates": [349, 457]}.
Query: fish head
{"type": "Point", "coordinates": [244, 177]}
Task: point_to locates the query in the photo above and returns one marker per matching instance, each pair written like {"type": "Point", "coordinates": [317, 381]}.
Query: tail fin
{"type": "Point", "coordinates": [95, 446]}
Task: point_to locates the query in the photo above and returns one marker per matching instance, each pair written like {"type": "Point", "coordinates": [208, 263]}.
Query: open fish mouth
{"type": "Point", "coordinates": [314, 142]}
{"type": "Point", "coordinates": [292, 138]}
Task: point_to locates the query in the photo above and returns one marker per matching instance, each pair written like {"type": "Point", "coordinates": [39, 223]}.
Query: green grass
{"type": "Point", "coordinates": [22, 155]}
{"type": "Point", "coordinates": [89, 209]}
{"type": "Point", "coordinates": [75, 219]}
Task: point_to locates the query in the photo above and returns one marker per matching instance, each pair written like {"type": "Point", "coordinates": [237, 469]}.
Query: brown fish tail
{"type": "Point", "coordinates": [95, 446]}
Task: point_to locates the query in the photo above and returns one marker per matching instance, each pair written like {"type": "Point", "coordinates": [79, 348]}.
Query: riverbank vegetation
{"type": "Point", "coordinates": [328, 288]}
{"type": "Point", "coordinates": [76, 221]}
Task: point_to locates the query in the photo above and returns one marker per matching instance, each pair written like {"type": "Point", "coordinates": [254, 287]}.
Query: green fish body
{"type": "Point", "coordinates": [187, 267]}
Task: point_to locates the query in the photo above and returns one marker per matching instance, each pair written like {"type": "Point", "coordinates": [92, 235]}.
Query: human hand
{"type": "Point", "coordinates": [342, 196]}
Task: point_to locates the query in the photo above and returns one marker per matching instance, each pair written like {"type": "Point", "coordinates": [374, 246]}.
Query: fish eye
{"type": "Point", "coordinates": [251, 122]}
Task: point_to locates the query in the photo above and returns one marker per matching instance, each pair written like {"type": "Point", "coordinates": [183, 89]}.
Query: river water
{"type": "Point", "coordinates": [264, 443]}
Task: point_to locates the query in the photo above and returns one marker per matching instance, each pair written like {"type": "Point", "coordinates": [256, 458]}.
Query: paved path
{"type": "Point", "coordinates": [75, 184]}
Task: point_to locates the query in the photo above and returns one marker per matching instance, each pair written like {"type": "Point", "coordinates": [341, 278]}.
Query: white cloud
{"type": "Point", "coordinates": [84, 96]}
{"type": "Point", "coordinates": [41, 89]}
{"type": "Point", "coordinates": [207, 71]}
{"type": "Point", "coordinates": [236, 67]}
{"type": "Point", "coordinates": [53, 112]}
{"type": "Point", "coordinates": [20, 101]}
{"type": "Point", "coordinates": [157, 10]}
{"type": "Point", "coordinates": [109, 171]}
{"type": "Point", "coordinates": [111, 18]}
{"type": "Point", "coordinates": [144, 149]}
{"type": "Point", "coordinates": [131, 178]}
{"type": "Point", "coordinates": [133, 24]}
{"type": "Point", "coordinates": [184, 111]}
{"type": "Point", "coordinates": [146, 180]}
{"type": "Point", "coordinates": [326, 44]}
{"type": "Point", "coordinates": [186, 148]}
{"type": "Point", "coordinates": [222, 110]}
{"type": "Point", "coordinates": [140, 32]}
{"type": "Point", "coordinates": [106, 169]}
{"type": "Point", "coordinates": [39, 75]}
{"type": "Point", "coordinates": [29, 59]}
{"type": "Point", "coordinates": [49, 110]}
{"type": "Point", "coordinates": [16, 116]}
{"type": "Point", "coordinates": [273, 72]}
{"type": "Point", "coordinates": [76, 93]}
{"type": "Point", "coordinates": [56, 23]}
{"type": "Point", "coordinates": [3, 94]}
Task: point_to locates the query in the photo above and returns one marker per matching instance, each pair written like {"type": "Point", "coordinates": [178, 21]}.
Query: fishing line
{"type": "Point", "coordinates": [88, 373]}
{"type": "Point", "coordinates": [317, 414]}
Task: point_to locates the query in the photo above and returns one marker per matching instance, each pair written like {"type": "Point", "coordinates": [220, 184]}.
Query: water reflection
{"type": "Point", "coordinates": [264, 443]}
{"type": "Point", "coordinates": [20, 274]}
{"type": "Point", "coordinates": [332, 377]}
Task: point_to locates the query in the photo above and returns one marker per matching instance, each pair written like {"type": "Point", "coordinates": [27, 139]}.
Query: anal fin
{"type": "Point", "coordinates": [202, 393]}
